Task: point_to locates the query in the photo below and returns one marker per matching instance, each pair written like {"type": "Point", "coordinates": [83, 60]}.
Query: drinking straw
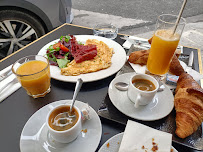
{"type": "Point", "coordinates": [179, 16]}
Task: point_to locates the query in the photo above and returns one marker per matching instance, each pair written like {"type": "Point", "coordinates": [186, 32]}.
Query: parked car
{"type": "Point", "coordinates": [23, 21]}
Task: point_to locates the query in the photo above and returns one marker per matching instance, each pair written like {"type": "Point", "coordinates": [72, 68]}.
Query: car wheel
{"type": "Point", "coordinates": [17, 29]}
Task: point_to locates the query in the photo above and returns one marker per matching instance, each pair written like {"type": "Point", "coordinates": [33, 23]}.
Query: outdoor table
{"type": "Point", "coordinates": [19, 107]}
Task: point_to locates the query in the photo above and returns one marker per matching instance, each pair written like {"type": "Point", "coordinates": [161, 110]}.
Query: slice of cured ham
{"type": "Point", "coordinates": [82, 52]}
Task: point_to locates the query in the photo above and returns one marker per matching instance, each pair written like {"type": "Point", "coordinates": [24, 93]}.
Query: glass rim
{"type": "Point", "coordinates": [22, 75]}
{"type": "Point", "coordinates": [104, 25]}
{"type": "Point", "coordinates": [168, 22]}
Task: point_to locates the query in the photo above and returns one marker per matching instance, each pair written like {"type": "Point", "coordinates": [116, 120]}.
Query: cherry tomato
{"type": "Point", "coordinates": [56, 45]}
{"type": "Point", "coordinates": [63, 48]}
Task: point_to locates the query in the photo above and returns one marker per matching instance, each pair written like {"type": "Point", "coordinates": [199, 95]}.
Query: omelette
{"type": "Point", "coordinates": [101, 61]}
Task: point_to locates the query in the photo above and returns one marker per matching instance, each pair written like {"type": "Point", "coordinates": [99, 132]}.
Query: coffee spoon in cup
{"type": "Point", "coordinates": [77, 89]}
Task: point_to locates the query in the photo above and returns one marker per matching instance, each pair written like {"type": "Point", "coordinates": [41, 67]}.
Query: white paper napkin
{"type": "Point", "coordinates": [11, 87]}
{"type": "Point", "coordinates": [127, 44]}
{"type": "Point", "coordinates": [138, 68]}
{"type": "Point", "coordinates": [140, 138]}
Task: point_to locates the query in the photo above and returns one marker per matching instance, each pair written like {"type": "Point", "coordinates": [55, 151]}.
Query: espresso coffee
{"type": "Point", "coordinates": [62, 119]}
{"type": "Point", "coordinates": [143, 84]}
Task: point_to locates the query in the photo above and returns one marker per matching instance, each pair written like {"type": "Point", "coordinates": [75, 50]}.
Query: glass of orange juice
{"type": "Point", "coordinates": [33, 72]}
{"type": "Point", "coordinates": [164, 43]}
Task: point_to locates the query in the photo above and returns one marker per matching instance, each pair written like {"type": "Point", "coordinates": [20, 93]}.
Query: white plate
{"type": "Point", "coordinates": [118, 60]}
{"type": "Point", "coordinates": [114, 144]}
{"type": "Point", "coordinates": [160, 107]}
{"type": "Point", "coordinates": [35, 136]}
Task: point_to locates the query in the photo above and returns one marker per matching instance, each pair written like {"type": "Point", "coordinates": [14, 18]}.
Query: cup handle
{"type": "Point", "coordinates": [50, 107]}
{"type": "Point", "coordinates": [136, 105]}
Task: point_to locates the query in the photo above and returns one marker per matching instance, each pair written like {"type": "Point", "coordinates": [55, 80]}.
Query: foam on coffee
{"type": "Point", "coordinates": [62, 119]}
{"type": "Point", "coordinates": [143, 84]}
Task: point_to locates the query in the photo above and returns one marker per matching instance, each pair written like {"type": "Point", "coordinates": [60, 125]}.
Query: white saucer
{"type": "Point", "coordinates": [160, 107]}
{"type": "Point", "coordinates": [35, 136]}
{"type": "Point", "coordinates": [114, 144]}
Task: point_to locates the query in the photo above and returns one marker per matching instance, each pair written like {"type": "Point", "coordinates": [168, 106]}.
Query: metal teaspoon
{"type": "Point", "coordinates": [77, 89]}
{"type": "Point", "coordinates": [122, 86]}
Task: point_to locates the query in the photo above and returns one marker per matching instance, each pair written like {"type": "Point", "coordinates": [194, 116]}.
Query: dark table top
{"type": "Point", "coordinates": [19, 107]}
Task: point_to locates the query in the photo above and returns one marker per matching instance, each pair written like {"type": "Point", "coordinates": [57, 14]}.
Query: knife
{"type": "Point", "coordinates": [190, 62]}
{"type": "Point", "coordinates": [191, 58]}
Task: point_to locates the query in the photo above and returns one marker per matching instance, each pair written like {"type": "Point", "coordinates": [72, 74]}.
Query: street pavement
{"type": "Point", "coordinates": [90, 13]}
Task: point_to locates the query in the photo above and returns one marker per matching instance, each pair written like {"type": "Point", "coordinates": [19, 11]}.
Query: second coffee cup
{"type": "Point", "coordinates": [142, 89]}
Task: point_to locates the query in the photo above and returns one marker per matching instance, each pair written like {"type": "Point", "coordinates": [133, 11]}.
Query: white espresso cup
{"type": "Point", "coordinates": [140, 97]}
{"type": "Point", "coordinates": [65, 136]}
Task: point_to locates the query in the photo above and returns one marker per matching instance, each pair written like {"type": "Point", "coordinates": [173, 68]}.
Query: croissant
{"type": "Point", "coordinates": [150, 40]}
{"type": "Point", "coordinates": [175, 67]}
{"type": "Point", "coordinates": [186, 81]}
{"type": "Point", "coordinates": [188, 105]}
{"type": "Point", "coordinates": [141, 57]}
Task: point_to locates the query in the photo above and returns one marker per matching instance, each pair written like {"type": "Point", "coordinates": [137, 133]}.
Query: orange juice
{"type": "Point", "coordinates": [34, 77]}
{"type": "Point", "coordinates": [162, 49]}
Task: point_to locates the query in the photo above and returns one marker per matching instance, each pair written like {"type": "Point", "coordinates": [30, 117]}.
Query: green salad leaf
{"type": "Point", "coordinates": [62, 63]}
{"type": "Point", "coordinates": [67, 38]}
